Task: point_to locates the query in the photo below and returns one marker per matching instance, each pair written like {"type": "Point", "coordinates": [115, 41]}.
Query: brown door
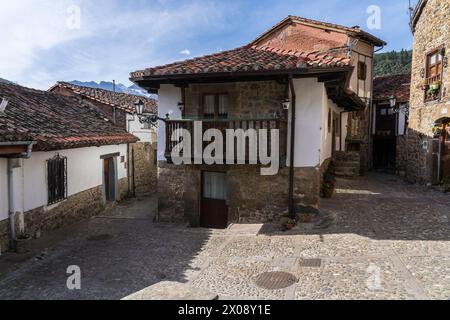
{"type": "Point", "coordinates": [445, 152]}
{"type": "Point", "coordinates": [214, 209]}
{"type": "Point", "coordinates": [109, 177]}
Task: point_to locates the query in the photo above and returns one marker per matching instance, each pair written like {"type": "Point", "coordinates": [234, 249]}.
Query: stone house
{"type": "Point", "coordinates": [390, 123]}
{"type": "Point", "coordinates": [61, 161]}
{"type": "Point", "coordinates": [120, 108]}
{"type": "Point", "coordinates": [308, 80]}
{"type": "Point", "coordinates": [428, 134]}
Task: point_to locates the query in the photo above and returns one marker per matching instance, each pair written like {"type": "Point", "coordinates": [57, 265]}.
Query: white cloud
{"type": "Point", "coordinates": [185, 52]}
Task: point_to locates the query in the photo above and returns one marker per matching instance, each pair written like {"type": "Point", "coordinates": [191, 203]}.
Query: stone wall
{"type": "Point", "coordinates": [4, 235]}
{"type": "Point", "coordinates": [77, 207]}
{"type": "Point", "coordinates": [401, 155]}
{"type": "Point", "coordinates": [145, 169]}
{"type": "Point", "coordinates": [358, 137]}
{"type": "Point", "coordinates": [252, 198]}
{"type": "Point", "coordinates": [432, 31]}
{"type": "Point", "coordinates": [247, 99]}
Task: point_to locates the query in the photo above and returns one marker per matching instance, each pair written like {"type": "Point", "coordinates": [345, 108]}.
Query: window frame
{"type": "Point", "coordinates": [54, 194]}
{"type": "Point", "coordinates": [438, 73]}
{"type": "Point", "coordinates": [362, 71]}
{"type": "Point", "coordinates": [217, 114]}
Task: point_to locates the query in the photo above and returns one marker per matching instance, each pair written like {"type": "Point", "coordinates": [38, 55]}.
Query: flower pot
{"type": "Point", "coordinates": [22, 245]}
{"type": "Point", "coordinates": [328, 193]}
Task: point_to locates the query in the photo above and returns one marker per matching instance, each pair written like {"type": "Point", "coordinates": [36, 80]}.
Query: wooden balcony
{"type": "Point", "coordinates": [224, 124]}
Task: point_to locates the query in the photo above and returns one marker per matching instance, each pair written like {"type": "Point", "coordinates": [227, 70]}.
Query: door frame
{"type": "Point", "coordinates": [111, 158]}
{"type": "Point", "coordinates": [202, 174]}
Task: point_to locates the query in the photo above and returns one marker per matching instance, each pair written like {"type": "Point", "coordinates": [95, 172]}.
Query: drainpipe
{"type": "Point", "coordinates": [292, 213]}
{"type": "Point", "coordinates": [11, 204]}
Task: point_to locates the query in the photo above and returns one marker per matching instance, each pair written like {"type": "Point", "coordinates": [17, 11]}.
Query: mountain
{"type": "Point", "coordinates": [392, 63]}
{"type": "Point", "coordinates": [4, 81]}
{"type": "Point", "coordinates": [121, 88]}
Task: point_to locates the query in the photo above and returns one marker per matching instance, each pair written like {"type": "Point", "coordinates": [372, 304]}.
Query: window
{"type": "Point", "coordinates": [362, 70]}
{"type": "Point", "coordinates": [57, 179]}
{"type": "Point", "coordinates": [215, 106]}
{"type": "Point", "coordinates": [434, 67]}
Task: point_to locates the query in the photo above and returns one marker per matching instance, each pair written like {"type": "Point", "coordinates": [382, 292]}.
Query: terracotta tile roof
{"type": "Point", "coordinates": [398, 86]}
{"type": "Point", "coordinates": [353, 31]}
{"type": "Point", "coordinates": [123, 101]}
{"type": "Point", "coordinates": [246, 59]}
{"type": "Point", "coordinates": [55, 122]}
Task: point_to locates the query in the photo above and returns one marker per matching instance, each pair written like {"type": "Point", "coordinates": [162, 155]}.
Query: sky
{"type": "Point", "coordinates": [44, 41]}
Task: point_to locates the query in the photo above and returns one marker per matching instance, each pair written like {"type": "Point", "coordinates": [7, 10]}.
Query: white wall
{"type": "Point", "coordinates": [3, 189]}
{"type": "Point", "coordinates": [169, 97]}
{"type": "Point", "coordinates": [310, 96]}
{"type": "Point", "coordinates": [84, 171]}
{"type": "Point", "coordinates": [136, 128]}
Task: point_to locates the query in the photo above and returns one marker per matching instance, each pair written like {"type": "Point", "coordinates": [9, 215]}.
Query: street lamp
{"type": "Point", "coordinates": [150, 119]}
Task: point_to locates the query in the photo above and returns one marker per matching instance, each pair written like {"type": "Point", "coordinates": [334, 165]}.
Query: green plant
{"type": "Point", "coordinates": [446, 184]}
{"type": "Point", "coordinates": [287, 223]}
{"type": "Point", "coordinates": [23, 236]}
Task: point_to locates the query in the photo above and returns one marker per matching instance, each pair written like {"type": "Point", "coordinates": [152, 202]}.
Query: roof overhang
{"type": "Point", "coordinates": [16, 149]}
{"type": "Point", "coordinates": [441, 121]}
{"type": "Point", "coordinates": [153, 83]}
{"type": "Point", "coordinates": [417, 13]}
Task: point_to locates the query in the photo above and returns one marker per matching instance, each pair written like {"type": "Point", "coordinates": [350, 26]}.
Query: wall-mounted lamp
{"type": "Point", "coordinates": [286, 104]}
{"type": "Point", "coordinates": [393, 101]}
{"type": "Point", "coordinates": [150, 119]}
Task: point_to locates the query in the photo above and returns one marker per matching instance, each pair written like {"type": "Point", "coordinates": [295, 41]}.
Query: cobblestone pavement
{"type": "Point", "coordinates": [389, 240]}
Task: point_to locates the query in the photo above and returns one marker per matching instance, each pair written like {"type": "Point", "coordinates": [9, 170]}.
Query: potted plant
{"type": "Point", "coordinates": [21, 242]}
{"type": "Point", "coordinates": [328, 189]}
{"type": "Point", "coordinates": [446, 184]}
{"type": "Point", "coordinates": [287, 224]}
{"type": "Point", "coordinates": [434, 88]}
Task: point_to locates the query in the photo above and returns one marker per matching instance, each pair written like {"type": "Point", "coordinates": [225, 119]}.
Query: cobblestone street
{"type": "Point", "coordinates": [389, 240]}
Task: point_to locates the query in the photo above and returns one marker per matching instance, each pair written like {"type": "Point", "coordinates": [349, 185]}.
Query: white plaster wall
{"type": "Point", "coordinates": [84, 171]}
{"type": "Point", "coordinates": [310, 96]}
{"type": "Point", "coordinates": [136, 128]}
{"type": "Point", "coordinates": [344, 130]}
{"type": "Point", "coordinates": [3, 189]}
{"type": "Point", "coordinates": [169, 97]}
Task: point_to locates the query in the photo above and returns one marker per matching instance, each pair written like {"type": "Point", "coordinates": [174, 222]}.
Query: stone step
{"type": "Point", "coordinates": [347, 172]}
{"type": "Point", "coordinates": [347, 156]}
{"type": "Point", "coordinates": [168, 290]}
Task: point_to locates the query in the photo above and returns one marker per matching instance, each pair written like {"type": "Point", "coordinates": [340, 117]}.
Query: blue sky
{"type": "Point", "coordinates": [42, 41]}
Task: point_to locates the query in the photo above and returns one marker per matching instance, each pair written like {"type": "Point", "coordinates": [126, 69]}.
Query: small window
{"type": "Point", "coordinates": [362, 70]}
{"type": "Point", "coordinates": [215, 106]}
{"type": "Point", "coordinates": [57, 179]}
{"type": "Point", "coordinates": [434, 68]}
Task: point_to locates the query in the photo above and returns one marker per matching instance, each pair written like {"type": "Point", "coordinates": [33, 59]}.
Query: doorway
{"type": "Point", "coordinates": [214, 208]}
{"type": "Point", "coordinates": [445, 151]}
{"type": "Point", "coordinates": [109, 177]}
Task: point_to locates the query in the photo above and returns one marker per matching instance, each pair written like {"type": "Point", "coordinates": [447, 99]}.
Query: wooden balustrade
{"type": "Point", "coordinates": [224, 124]}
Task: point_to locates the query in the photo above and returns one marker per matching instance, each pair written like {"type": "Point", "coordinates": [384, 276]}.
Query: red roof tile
{"type": "Point", "coordinates": [55, 122]}
{"type": "Point", "coordinates": [397, 86]}
{"type": "Point", "coordinates": [246, 59]}
{"type": "Point", "coordinates": [122, 101]}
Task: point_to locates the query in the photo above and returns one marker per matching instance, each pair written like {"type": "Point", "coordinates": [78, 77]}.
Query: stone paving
{"type": "Point", "coordinates": [389, 240]}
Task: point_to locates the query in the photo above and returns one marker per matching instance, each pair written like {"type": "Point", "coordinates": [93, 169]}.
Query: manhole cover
{"type": "Point", "coordinates": [100, 237]}
{"type": "Point", "coordinates": [275, 280]}
{"type": "Point", "coordinates": [310, 263]}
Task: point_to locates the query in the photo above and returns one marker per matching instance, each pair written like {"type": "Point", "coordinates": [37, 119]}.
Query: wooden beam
{"type": "Point", "coordinates": [13, 150]}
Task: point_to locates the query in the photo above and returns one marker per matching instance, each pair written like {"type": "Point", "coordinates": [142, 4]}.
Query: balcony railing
{"type": "Point", "coordinates": [224, 124]}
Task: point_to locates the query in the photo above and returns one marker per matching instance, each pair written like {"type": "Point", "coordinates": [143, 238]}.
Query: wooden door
{"type": "Point", "coordinates": [214, 208]}
{"type": "Point", "coordinates": [445, 152]}
{"type": "Point", "coordinates": [109, 179]}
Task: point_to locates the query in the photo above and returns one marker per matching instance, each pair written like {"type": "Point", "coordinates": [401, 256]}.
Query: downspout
{"type": "Point", "coordinates": [11, 204]}
{"type": "Point", "coordinates": [292, 213]}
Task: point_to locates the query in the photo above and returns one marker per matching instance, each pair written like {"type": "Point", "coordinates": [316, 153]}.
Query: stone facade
{"type": "Point", "coordinates": [36, 222]}
{"type": "Point", "coordinates": [145, 168]}
{"type": "Point", "coordinates": [431, 31]}
{"type": "Point", "coordinates": [246, 99]}
{"type": "Point", "coordinates": [401, 155]}
{"type": "Point", "coordinates": [4, 235]}
{"type": "Point", "coordinates": [252, 198]}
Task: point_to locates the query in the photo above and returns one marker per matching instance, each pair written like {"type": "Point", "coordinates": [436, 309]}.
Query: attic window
{"type": "Point", "coordinates": [362, 70]}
